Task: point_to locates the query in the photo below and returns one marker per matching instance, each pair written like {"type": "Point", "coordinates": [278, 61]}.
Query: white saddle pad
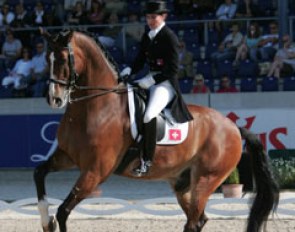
{"type": "Point", "coordinates": [175, 133]}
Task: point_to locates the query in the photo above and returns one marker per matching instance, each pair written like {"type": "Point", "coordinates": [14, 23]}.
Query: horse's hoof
{"type": "Point", "coordinates": [51, 226]}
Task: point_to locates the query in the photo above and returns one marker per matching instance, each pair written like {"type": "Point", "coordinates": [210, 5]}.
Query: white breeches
{"type": "Point", "coordinates": [160, 96]}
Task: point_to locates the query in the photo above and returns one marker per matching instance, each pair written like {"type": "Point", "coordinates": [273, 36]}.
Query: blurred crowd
{"type": "Point", "coordinates": [232, 46]}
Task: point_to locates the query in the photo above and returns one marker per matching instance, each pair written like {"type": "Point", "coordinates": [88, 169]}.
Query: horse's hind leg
{"type": "Point", "coordinates": [58, 161]}
{"type": "Point", "coordinates": [192, 192]}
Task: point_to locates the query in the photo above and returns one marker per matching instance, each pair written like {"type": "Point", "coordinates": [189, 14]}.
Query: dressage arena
{"type": "Point", "coordinates": [124, 206]}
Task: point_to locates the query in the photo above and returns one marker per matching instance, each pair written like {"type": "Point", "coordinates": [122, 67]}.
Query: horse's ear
{"type": "Point", "coordinates": [44, 33]}
{"type": "Point", "coordinates": [66, 35]}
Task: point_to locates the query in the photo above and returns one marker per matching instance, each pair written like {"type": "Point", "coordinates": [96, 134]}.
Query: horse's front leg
{"type": "Point", "coordinates": [58, 161]}
{"type": "Point", "coordinates": [85, 185]}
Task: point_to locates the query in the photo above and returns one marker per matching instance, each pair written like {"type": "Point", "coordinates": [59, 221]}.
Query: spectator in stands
{"type": "Point", "coordinates": [199, 84]}
{"type": "Point", "coordinates": [249, 44]}
{"type": "Point", "coordinates": [134, 29]}
{"type": "Point", "coordinates": [268, 44]}
{"type": "Point", "coordinates": [226, 86]}
{"type": "Point", "coordinates": [185, 62]}
{"type": "Point", "coordinates": [96, 14]}
{"type": "Point", "coordinates": [111, 34]}
{"type": "Point", "coordinates": [228, 47]}
{"type": "Point", "coordinates": [77, 16]}
{"type": "Point", "coordinates": [115, 6]}
{"type": "Point", "coordinates": [20, 72]}
{"type": "Point", "coordinates": [39, 74]}
{"type": "Point", "coordinates": [22, 20]}
{"type": "Point", "coordinates": [59, 12]}
{"type": "Point", "coordinates": [226, 10]}
{"type": "Point", "coordinates": [247, 9]}
{"type": "Point", "coordinates": [6, 16]}
{"type": "Point", "coordinates": [39, 17]}
{"type": "Point", "coordinates": [284, 60]}
{"type": "Point", "coordinates": [11, 50]}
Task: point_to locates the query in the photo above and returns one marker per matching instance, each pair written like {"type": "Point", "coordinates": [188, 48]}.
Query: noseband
{"type": "Point", "coordinates": [71, 84]}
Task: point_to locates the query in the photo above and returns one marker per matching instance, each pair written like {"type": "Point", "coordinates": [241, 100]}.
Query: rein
{"type": "Point", "coordinates": [105, 91]}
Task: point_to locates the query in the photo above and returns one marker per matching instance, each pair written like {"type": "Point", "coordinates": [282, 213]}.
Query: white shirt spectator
{"type": "Point", "coordinates": [11, 49]}
{"type": "Point", "coordinates": [21, 69]}
{"type": "Point", "coordinates": [226, 11]}
{"type": "Point", "coordinates": [9, 18]}
{"type": "Point", "coordinates": [39, 63]}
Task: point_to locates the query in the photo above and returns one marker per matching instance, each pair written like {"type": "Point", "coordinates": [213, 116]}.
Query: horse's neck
{"type": "Point", "coordinates": [101, 72]}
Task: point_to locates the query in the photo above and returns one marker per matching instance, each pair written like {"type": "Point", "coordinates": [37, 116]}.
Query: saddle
{"type": "Point", "coordinates": [168, 131]}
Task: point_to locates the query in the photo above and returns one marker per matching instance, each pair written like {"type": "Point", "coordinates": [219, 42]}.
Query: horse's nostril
{"type": "Point", "coordinates": [58, 101]}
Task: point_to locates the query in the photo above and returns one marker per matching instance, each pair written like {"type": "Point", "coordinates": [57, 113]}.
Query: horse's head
{"type": "Point", "coordinates": [62, 71]}
{"type": "Point", "coordinates": [78, 65]}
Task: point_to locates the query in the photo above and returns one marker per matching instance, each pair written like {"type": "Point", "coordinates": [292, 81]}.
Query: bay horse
{"type": "Point", "coordinates": [94, 135]}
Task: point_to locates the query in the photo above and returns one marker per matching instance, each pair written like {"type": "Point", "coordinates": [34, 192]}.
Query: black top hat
{"type": "Point", "coordinates": [155, 7]}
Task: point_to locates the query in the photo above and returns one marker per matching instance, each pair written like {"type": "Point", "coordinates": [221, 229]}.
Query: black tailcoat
{"type": "Point", "coordinates": [161, 54]}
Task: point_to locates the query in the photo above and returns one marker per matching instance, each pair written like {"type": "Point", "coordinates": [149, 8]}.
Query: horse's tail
{"type": "Point", "coordinates": [267, 190]}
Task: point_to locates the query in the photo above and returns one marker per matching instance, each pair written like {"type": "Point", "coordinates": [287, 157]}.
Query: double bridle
{"type": "Point", "coordinates": [71, 84]}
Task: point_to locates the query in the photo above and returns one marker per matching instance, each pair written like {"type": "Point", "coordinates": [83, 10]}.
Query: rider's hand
{"type": "Point", "coordinates": [146, 81]}
{"type": "Point", "coordinates": [125, 72]}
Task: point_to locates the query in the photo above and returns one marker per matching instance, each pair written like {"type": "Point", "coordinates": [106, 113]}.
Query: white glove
{"type": "Point", "coordinates": [146, 81]}
{"type": "Point", "coordinates": [125, 72]}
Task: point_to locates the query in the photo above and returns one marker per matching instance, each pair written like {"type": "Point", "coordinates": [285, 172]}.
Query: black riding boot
{"type": "Point", "coordinates": [149, 145]}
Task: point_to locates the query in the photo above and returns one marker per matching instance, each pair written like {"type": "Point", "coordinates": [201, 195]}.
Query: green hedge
{"type": "Point", "coordinates": [283, 162]}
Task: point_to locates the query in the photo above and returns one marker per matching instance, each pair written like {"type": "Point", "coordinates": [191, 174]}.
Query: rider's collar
{"type": "Point", "coordinates": [153, 33]}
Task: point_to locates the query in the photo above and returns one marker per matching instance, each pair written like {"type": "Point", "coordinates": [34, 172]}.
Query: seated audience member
{"type": "Point", "coordinates": [77, 15]}
{"type": "Point", "coordinates": [39, 17]}
{"type": "Point", "coordinates": [20, 72]}
{"type": "Point", "coordinates": [22, 20]}
{"type": "Point", "coordinates": [58, 12]}
{"type": "Point", "coordinates": [6, 16]}
{"type": "Point", "coordinates": [11, 50]}
{"type": "Point", "coordinates": [68, 5]}
{"type": "Point", "coordinates": [225, 85]}
{"type": "Point", "coordinates": [185, 62]}
{"type": "Point", "coordinates": [39, 75]}
{"type": "Point", "coordinates": [226, 10]}
{"type": "Point", "coordinates": [247, 9]}
{"type": "Point", "coordinates": [284, 60]}
{"type": "Point", "coordinates": [110, 35]}
{"type": "Point", "coordinates": [134, 29]}
{"type": "Point", "coordinates": [96, 13]}
{"type": "Point", "coordinates": [199, 85]}
{"type": "Point", "coordinates": [268, 44]}
{"type": "Point", "coordinates": [249, 44]}
{"type": "Point", "coordinates": [228, 47]}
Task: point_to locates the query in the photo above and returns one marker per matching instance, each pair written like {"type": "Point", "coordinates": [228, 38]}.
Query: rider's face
{"type": "Point", "coordinates": [155, 20]}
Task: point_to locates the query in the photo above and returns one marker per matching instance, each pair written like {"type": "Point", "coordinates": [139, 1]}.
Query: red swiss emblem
{"type": "Point", "coordinates": [174, 134]}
